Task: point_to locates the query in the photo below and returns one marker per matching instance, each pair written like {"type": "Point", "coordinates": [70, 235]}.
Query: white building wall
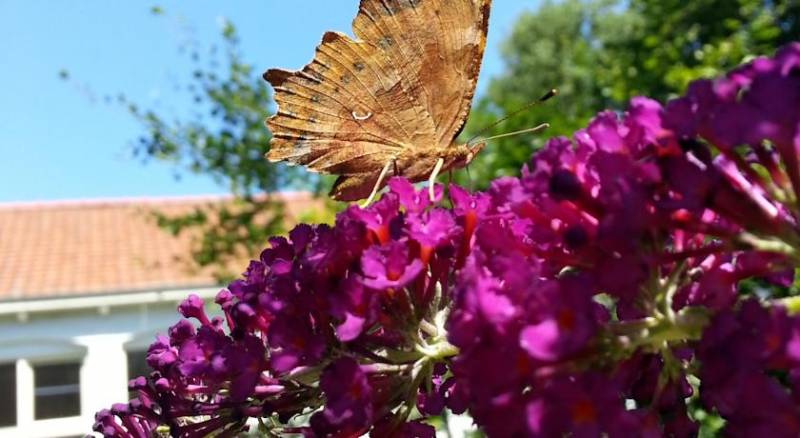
{"type": "Point", "coordinates": [97, 331]}
{"type": "Point", "coordinates": [94, 330]}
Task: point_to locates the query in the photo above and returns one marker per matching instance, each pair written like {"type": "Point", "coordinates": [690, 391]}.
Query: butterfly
{"type": "Point", "coordinates": [393, 99]}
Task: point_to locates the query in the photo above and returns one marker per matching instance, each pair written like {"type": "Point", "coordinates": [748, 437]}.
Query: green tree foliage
{"type": "Point", "coordinates": [678, 41]}
{"type": "Point", "coordinates": [557, 46]}
{"type": "Point", "coordinates": [224, 138]}
{"type": "Point", "coordinates": [600, 53]}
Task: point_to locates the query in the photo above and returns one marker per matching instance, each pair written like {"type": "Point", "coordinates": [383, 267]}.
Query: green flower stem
{"type": "Point", "coordinates": [401, 356]}
{"type": "Point", "coordinates": [379, 368]}
{"type": "Point", "coordinates": [428, 328]}
{"type": "Point", "coordinates": [688, 324]}
{"type": "Point", "coordinates": [437, 351]}
{"type": "Point", "coordinates": [768, 245]}
{"type": "Point", "coordinates": [671, 287]}
{"type": "Point", "coordinates": [306, 375]}
{"type": "Point", "coordinates": [632, 328]}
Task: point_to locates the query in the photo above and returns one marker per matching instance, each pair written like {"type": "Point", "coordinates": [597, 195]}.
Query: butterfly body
{"type": "Point", "coordinates": [395, 97]}
{"type": "Point", "coordinates": [414, 164]}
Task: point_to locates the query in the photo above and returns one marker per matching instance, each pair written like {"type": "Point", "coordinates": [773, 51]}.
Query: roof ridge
{"type": "Point", "coordinates": [137, 200]}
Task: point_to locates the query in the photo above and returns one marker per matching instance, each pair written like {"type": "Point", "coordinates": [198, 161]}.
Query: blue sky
{"type": "Point", "coordinates": [59, 140]}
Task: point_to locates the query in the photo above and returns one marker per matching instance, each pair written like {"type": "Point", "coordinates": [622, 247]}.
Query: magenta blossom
{"type": "Point", "coordinates": [635, 278]}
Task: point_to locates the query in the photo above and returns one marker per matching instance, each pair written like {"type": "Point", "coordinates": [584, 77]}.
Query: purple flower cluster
{"type": "Point", "coordinates": [343, 325]}
{"type": "Point", "coordinates": [582, 305]}
{"type": "Point", "coordinates": [631, 275]}
{"type": "Point", "coordinates": [742, 354]}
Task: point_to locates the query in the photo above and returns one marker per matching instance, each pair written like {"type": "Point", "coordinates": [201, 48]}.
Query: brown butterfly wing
{"type": "Point", "coordinates": [405, 84]}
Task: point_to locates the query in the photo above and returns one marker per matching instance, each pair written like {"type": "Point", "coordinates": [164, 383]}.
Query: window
{"type": "Point", "coordinates": [137, 364]}
{"type": "Point", "coordinates": [57, 390]}
{"type": "Point", "coordinates": [8, 387]}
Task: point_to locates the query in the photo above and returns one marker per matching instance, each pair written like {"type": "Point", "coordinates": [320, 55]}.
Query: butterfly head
{"type": "Point", "coordinates": [473, 150]}
{"type": "Point", "coordinates": [464, 154]}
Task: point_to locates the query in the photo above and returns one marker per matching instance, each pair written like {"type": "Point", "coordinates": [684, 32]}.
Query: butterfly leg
{"type": "Point", "coordinates": [389, 164]}
{"type": "Point", "coordinates": [434, 174]}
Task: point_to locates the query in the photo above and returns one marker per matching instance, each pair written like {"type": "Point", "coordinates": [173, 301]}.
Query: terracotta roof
{"type": "Point", "coordinates": [89, 247]}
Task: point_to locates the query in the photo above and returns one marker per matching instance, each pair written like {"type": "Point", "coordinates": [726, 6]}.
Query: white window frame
{"type": "Point", "coordinates": [35, 353]}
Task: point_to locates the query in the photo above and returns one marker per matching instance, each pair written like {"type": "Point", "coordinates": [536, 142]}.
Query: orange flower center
{"type": "Point", "coordinates": [583, 412]}
{"type": "Point", "coordinates": [566, 319]}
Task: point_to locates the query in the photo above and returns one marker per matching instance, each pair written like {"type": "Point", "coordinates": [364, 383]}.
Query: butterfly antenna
{"type": "Point", "coordinates": [547, 96]}
{"type": "Point", "coordinates": [541, 127]}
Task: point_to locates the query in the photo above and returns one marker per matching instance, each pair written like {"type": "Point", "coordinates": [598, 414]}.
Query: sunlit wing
{"type": "Point", "coordinates": [405, 83]}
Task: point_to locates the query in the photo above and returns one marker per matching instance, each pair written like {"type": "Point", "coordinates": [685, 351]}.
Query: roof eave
{"type": "Point", "coordinates": [23, 308]}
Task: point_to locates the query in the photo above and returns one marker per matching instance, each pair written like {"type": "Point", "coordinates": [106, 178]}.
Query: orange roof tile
{"type": "Point", "coordinates": [87, 247]}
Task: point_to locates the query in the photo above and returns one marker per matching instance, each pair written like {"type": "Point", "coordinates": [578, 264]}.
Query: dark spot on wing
{"type": "Point", "coordinates": [402, 4]}
{"type": "Point", "coordinates": [385, 42]}
{"type": "Point", "coordinates": [320, 66]}
{"type": "Point", "coordinates": [359, 66]}
{"type": "Point", "coordinates": [392, 7]}
{"type": "Point", "coordinates": [387, 10]}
